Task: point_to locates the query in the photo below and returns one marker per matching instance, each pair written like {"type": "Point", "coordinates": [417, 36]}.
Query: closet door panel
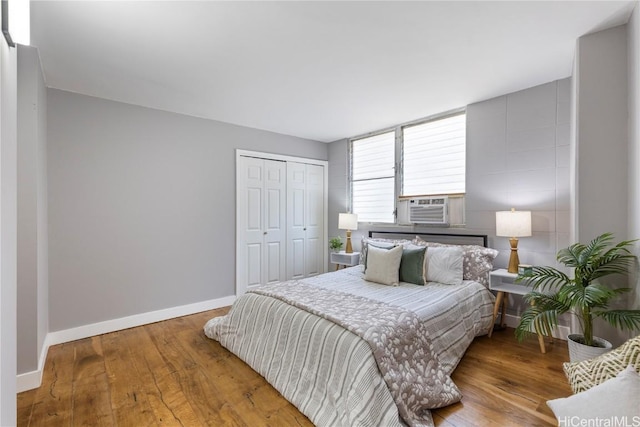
{"type": "Point", "coordinates": [273, 257]}
{"type": "Point", "coordinates": [296, 216]}
{"type": "Point", "coordinates": [254, 213]}
{"type": "Point", "coordinates": [314, 255]}
{"type": "Point", "coordinates": [296, 263]}
{"type": "Point", "coordinates": [251, 220]}
{"type": "Point", "coordinates": [314, 221]}
{"type": "Point", "coordinates": [274, 211]}
{"type": "Point", "coordinates": [253, 265]}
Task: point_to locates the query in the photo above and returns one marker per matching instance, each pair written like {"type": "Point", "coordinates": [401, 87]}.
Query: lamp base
{"type": "Point", "coordinates": [513, 258]}
{"type": "Point", "coordinates": [349, 248]}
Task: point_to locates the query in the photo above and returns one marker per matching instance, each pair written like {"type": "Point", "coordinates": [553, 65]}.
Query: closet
{"type": "Point", "coordinates": [281, 205]}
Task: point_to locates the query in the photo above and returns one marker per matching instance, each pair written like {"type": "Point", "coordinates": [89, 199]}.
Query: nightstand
{"type": "Point", "coordinates": [504, 284]}
{"type": "Point", "coordinates": [344, 259]}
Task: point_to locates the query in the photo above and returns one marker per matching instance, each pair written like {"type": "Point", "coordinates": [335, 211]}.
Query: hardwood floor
{"type": "Point", "coordinates": [169, 373]}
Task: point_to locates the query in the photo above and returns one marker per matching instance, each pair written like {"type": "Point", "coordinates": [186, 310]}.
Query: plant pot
{"type": "Point", "coordinates": [579, 352]}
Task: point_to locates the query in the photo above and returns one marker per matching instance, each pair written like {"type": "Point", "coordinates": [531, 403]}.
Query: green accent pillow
{"type": "Point", "coordinates": [412, 265]}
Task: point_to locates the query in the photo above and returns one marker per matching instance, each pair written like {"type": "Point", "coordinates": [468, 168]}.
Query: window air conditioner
{"type": "Point", "coordinates": [429, 210]}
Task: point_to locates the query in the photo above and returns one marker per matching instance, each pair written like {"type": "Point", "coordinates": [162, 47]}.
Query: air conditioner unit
{"type": "Point", "coordinates": [429, 210]}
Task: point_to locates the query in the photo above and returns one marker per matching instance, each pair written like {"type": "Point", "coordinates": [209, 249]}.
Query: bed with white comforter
{"type": "Point", "coordinates": [334, 368]}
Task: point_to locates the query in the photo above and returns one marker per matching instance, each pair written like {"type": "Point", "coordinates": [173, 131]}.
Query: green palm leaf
{"type": "Point", "coordinates": [622, 319]}
{"type": "Point", "coordinates": [543, 278]}
{"type": "Point", "coordinates": [541, 316]}
{"type": "Point", "coordinates": [570, 256]}
{"type": "Point", "coordinates": [593, 295]}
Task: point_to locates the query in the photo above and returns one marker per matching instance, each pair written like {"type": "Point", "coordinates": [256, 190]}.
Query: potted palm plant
{"type": "Point", "coordinates": [555, 293]}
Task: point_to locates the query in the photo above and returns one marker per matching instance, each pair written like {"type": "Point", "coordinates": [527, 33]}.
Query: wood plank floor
{"type": "Point", "coordinates": [169, 373]}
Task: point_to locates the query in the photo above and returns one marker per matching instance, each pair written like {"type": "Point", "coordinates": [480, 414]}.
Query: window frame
{"type": "Point", "coordinates": [398, 161]}
{"type": "Point", "coordinates": [393, 129]}
{"type": "Point", "coordinates": [400, 137]}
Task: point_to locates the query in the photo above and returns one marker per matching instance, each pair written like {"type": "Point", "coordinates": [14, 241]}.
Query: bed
{"type": "Point", "coordinates": [352, 352]}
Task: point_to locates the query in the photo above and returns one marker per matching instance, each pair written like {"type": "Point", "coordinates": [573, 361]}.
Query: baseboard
{"type": "Point", "coordinates": [561, 332]}
{"type": "Point", "coordinates": [33, 379]}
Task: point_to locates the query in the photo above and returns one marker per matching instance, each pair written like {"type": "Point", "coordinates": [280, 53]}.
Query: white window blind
{"type": "Point", "coordinates": [373, 177]}
{"type": "Point", "coordinates": [434, 157]}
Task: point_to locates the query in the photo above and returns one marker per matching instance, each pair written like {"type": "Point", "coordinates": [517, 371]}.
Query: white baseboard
{"type": "Point", "coordinates": [561, 332]}
{"type": "Point", "coordinates": [33, 379]}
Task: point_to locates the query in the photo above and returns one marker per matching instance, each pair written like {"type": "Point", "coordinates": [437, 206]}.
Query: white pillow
{"type": "Point", "coordinates": [444, 265]}
{"type": "Point", "coordinates": [383, 265]}
{"type": "Point", "coordinates": [616, 398]}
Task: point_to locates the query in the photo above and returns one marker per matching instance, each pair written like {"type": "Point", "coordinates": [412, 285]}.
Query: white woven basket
{"type": "Point", "coordinates": [579, 352]}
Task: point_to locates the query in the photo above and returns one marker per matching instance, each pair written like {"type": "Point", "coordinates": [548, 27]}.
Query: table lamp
{"type": "Point", "coordinates": [513, 224]}
{"type": "Point", "coordinates": [348, 221]}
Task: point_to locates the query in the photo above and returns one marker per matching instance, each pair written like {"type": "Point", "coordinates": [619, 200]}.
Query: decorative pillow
{"type": "Point", "coordinates": [478, 263]}
{"type": "Point", "coordinates": [615, 399]}
{"type": "Point", "coordinates": [379, 242]}
{"type": "Point", "coordinates": [477, 260]}
{"type": "Point", "coordinates": [589, 373]}
{"type": "Point", "coordinates": [383, 265]}
{"type": "Point", "coordinates": [444, 265]}
{"type": "Point", "coordinates": [412, 265]}
{"type": "Point", "coordinates": [380, 245]}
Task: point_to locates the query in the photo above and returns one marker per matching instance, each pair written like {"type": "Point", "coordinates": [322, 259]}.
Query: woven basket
{"type": "Point", "coordinates": [579, 352]}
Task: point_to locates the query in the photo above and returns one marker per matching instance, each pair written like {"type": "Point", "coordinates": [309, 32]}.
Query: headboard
{"type": "Point", "coordinates": [448, 238]}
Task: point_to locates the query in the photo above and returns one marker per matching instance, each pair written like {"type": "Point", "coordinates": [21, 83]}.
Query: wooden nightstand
{"type": "Point", "coordinates": [504, 284]}
{"type": "Point", "coordinates": [344, 259]}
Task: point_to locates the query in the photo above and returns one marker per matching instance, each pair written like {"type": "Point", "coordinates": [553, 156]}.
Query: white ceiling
{"type": "Point", "coordinates": [317, 70]}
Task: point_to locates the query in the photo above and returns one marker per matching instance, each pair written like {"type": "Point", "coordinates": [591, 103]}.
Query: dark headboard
{"type": "Point", "coordinates": [448, 238]}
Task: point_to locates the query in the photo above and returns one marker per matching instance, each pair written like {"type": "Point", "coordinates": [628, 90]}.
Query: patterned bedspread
{"type": "Point", "coordinates": [329, 372]}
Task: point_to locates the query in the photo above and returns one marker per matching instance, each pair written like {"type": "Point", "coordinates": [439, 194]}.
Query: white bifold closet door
{"type": "Point", "coordinates": [262, 221]}
{"type": "Point", "coordinates": [305, 220]}
{"type": "Point", "coordinates": [280, 219]}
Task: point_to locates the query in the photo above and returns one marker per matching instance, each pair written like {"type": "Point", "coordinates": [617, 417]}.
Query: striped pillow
{"type": "Point", "coordinates": [589, 373]}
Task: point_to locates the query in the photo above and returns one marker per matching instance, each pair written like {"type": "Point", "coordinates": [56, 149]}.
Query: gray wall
{"type": "Point", "coordinates": [633, 71]}
{"type": "Point", "coordinates": [8, 227]}
{"type": "Point", "coordinates": [33, 312]}
{"type": "Point", "coordinates": [601, 134]}
{"type": "Point", "coordinates": [601, 144]}
{"type": "Point", "coordinates": [338, 190]}
{"type": "Point", "coordinates": [142, 206]}
{"type": "Point", "coordinates": [518, 156]}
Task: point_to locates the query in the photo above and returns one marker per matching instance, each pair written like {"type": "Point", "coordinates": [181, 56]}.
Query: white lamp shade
{"type": "Point", "coordinates": [348, 221]}
{"type": "Point", "coordinates": [513, 223]}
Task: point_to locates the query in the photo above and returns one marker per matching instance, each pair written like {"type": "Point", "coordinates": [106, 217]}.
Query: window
{"type": "Point", "coordinates": [433, 156]}
{"type": "Point", "coordinates": [373, 177]}
{"type": "Point", "coordinates": [432, 162]}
